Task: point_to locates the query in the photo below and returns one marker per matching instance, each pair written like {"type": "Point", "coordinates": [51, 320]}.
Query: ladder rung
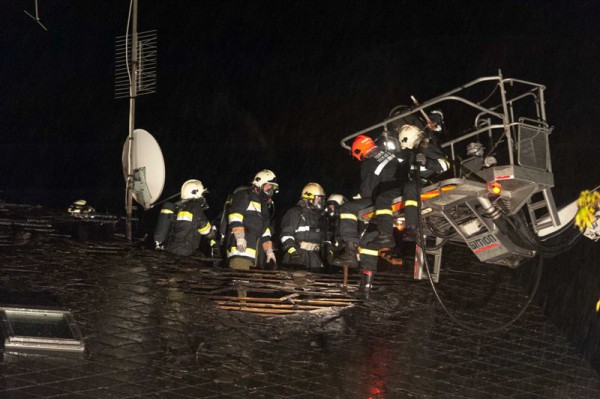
{"type": "Point", "coordinates": [544, 225]}
{"type": "Point", "coordinates": [538, 205]}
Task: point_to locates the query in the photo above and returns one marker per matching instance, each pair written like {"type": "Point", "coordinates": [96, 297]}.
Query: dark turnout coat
{"type": "Point", "coordinates": [180, 226]}
{"type": "Point", "coordinates": [302, 229]}
{"type": "Point", "coordinates": [252, 212]}
{"type": "Point", "coordinates": [378, 173]}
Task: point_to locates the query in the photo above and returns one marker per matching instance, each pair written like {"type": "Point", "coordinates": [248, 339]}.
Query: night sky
{"type": "Point", "coordinates": [246, 85]}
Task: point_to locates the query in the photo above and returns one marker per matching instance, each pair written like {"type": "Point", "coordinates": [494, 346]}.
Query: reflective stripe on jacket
{"type": "Point", "coordinates": [251, 212]}
{"type": "Point", "coordinates": [189, 224]}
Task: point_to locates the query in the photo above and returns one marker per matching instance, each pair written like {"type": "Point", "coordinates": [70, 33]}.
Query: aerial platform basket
{"type": "Point", "coordinates": [504, 144]}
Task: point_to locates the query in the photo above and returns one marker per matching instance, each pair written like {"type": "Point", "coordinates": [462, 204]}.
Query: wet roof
{"type": "Point", "coordinates": [153, 327]}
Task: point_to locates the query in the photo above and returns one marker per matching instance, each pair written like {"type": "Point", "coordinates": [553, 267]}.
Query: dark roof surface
{"type": "Point", "coordinates": [151, 330]}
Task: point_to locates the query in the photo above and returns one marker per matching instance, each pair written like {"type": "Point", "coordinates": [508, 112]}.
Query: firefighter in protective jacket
{"type": "Point", "coordinates": [419, 150]}
{"type": "Point", "coordinates": [302, 231]}
{"type": "Point", "coordinates": [331, 215]}
{"type": "Point", "coordinates": [180, 226]}
{"type": "Point", "coordinates": [424, 153]}
{"type": "Point", "coordinates": [379, 173]}
{"type": "Point", "coordinates": [249, 219]}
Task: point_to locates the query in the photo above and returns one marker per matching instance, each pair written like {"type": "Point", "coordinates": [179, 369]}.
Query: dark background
{"type": "Point", "coordinates": [246, 85]}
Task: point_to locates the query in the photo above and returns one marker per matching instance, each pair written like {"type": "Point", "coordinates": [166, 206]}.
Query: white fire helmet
{"type": "Point", "coordinates": [311, 190]}
{"type": "Point", "coordinates": [80, 207]}
{"type": "Point", "coordinates": [409, 136]}
{"type": "Point", "coordinates": [263, 177]}
{"type": "Point", "coordinates": [337, 198]}
{"type": "Point", "coordinates": [192, 189]}
{"type": "Point", "coordinates": [333, 205]}
{"type": "Point", "coordinates": [314, 194]}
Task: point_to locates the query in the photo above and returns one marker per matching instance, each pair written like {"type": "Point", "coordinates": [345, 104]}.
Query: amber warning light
{"type": "Point", "coordinates": [494, 188]}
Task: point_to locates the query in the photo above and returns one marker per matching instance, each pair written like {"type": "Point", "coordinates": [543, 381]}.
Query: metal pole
{"type": "Point", "coordinates": [345, 282]}
{"type": "Point", "coordinates": [133, 79]}
{"type": "Point", "coordinates": [505, 120]}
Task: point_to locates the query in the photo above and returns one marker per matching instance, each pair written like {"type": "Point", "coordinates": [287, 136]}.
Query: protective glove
{"type": "Point", "coordinates": [241, 244]}
{"type": "Point", "coordinates": [421, 159]}
{"type": "Point", "coordinates": [240, 240]}
{"type": "Point", "coordinates": [271, 256]}
{"type": "Point", "coordinates": [295, 257]}
{"type": "Point", "coordinates": [212, 233]}
{"type": "Point", "coordinates": [271, 261]}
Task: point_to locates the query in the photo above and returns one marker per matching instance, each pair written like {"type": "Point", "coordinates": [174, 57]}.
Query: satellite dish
{"type": "Point", "coordinates": [147, 166]}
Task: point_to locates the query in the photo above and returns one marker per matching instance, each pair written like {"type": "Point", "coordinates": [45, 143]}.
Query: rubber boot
{"type": "Point", "coordinates": [410, 234]}
{"type": "Point", "coordinates": [366, 283]}
{"type": "Point", "coordinates": [385, 237]}
{"type": "Point", "coordinates": [384, 241]}
{"type": "Point", "coordinates": [347, 257]}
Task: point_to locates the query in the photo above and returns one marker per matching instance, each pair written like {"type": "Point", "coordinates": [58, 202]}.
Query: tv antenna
{"type": "Point", "coordinates": [135, 74]}
{"type": "Point", "coordinates": [37, 16]}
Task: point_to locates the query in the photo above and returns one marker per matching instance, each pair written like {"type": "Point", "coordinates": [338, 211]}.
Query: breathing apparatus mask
{"type": "Point", "coordinates": [331, 210]}
{"type": "Point", "coordinates": [269, 190]}
{"type": "Point", "coordinates": [316, 203]}
{"type": "Point", "coordinates": [333, 205]}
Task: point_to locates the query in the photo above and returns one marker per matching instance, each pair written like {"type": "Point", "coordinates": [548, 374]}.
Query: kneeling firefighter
{"type": "Point", "coordinates": [181, 225]}
{"type": "Point", "coordinates": [249, 222]}
{"type": "Point", "coordinates": [302, 232]}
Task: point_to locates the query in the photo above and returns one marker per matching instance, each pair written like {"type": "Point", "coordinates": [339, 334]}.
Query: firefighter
{"type": "Point", "coordinates": [331, 222]}
{"type": "Point", "coordinates": [216, 243]}
{"type": "Point", "coordinates": [418, 145]}
{"type": "Point", "coordinates": [181, 225]}
{"type": "Point", "coordinates": [302, 231]}
{"type": "Point", "coordinates": [248, 222]}
{"type": "Point", "coordinates": [379, 171]}
{"type": "Point", "coordinates": [331, 213]}
{"type": "Point", "coordinates": [80, 208]}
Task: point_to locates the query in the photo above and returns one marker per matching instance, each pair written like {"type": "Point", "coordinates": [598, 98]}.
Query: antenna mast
{"type": "Point", "coordinates": [133, 78]}
{"type": "Point", "coordinates": [135, 75]}
{"type": "Point", "coordinates": [37, 16]}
